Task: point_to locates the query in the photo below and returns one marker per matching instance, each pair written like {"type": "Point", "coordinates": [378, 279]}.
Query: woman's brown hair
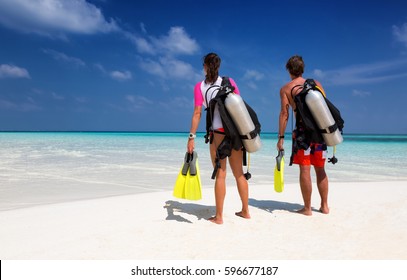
{"type": "Point", "coordinates": [212, 62]}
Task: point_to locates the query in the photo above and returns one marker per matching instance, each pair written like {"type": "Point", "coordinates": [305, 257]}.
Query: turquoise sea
{"type": "Point", "coordinates": [49, 167]}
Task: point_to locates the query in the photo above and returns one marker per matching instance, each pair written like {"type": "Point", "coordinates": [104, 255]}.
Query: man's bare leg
{"type": "Point", "coordinates": [306, 189]}
{"type": "Point", "coordinates": [322, 182]}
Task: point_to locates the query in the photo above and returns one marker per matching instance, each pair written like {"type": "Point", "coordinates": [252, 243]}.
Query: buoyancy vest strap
{"type": "Point", "coordinates": [250, 135]}
{"type": "Point", "coordinates": [321, 91]}
{"type": "Point", "coordinates": [215, 169]}
{"type": "Point", "coordinates": [329, 129]}
{"type": "Point", "coordinates": [218, 132]}
{"type": "Point", "coordinates": [294, 88]}
{"type": "Point", "coordinates": [206, 95]}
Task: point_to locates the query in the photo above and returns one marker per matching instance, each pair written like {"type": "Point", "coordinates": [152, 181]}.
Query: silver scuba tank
{"type": "Point", "coordinates": [237, 110]}
{"type": "Point", "coordinates": [323, 117]}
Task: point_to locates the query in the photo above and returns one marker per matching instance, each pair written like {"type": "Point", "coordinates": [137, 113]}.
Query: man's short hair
{"type": "Point", "coordinates": [295, 65]}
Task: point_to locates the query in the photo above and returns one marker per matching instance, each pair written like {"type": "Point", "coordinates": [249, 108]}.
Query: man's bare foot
{"type": "Point", "coordinates": [324, 210]}
{"type": "Point", "coordinates": [304, 212]}
{"type": "Point", "coordinates": [216, 220]}
{"type": "Point", "coordinates": [243, 214]}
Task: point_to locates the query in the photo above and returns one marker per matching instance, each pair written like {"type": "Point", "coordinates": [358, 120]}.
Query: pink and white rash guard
{"type": "Point", "coordinates": [203, 93]}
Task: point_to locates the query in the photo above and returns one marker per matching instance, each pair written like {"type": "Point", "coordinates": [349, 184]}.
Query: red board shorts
{"type": "Point", "coordinates": [315, 155]}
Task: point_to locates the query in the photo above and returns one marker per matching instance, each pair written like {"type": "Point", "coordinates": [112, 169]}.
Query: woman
{"type": "Point", "coordinates": [204, 91]}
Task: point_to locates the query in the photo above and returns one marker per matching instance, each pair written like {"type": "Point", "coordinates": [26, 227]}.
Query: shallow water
{"type": "Point", "coordinates": [49, 167]}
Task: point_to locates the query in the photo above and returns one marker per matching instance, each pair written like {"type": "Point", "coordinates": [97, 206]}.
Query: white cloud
{"type": "Point", "coordinates": [253, 75]}
{"type": "Point", "coordinates": [50, 17]}
{"type": "Point", "coordinates": [81, 99]}
{"type": "Point", "coordinates": [121, 75]}
{"type": "Point", "coordinates": [26, 106]}
{"type": "Point", "coordinates": [137, 102]}
{"type": "Point", "coordinates": [100, 67]}
{"type": "Point", "coordinates": [360, 93]}
{"type": "Point", "coordinates": [365, 73]}
{"type": "Point", "coordinates": [400, 33]}
{"type": "Point", "coordinates": [176, 42]}
{"type": "Point", "coordinates": [163, 50]}
{"type": "Point", "coordinates": [116, 75]}
{"type": "Point", "coordinates": [252, 85]}
{"type": "Point", "coordinates": [177, 102]}
{"type": "Point", "coordinates": [319, 74]}
{"type": "Point", "coordinates": [168, 68]}
{"type": "Point", "coordinates": [176, 68]}
{"type": "Point", "coordinates": [153, 67]}
{"type": "Point", "coordinates": [142, 45]}
{"type": "Point", "coordinates": [138, 99]}
{"type": "Point", "coordinates": [57, 96]}
{"type": "Point", "coordinates": [64, 58]}
{"type": "Point", "coordinates": [11, 71]}
{"type": "Point", "coordinates": [143, 28]}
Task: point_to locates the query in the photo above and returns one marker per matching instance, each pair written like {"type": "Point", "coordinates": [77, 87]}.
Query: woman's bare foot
{"type": "Point", "coordinates": [243, 214]}
{"type": "Point", "coordinates": [305, 212]}
{"type": "Point", "coordinates": [216, 220]}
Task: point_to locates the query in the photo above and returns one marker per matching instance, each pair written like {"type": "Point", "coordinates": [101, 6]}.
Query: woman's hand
{"type": "Point", "coordinates": [191, 145]}
{"type": "Point", "coordinates": [280, 144]}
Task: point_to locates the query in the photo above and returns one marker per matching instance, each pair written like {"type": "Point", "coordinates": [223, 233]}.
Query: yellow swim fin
{"type": "Point", "coordinates": [193, 181]}
{"type": "Point", "coordinates": [279, 172]}
{"type": "Point", "coordinates": [179, 187]}
{"type": "Point", "coordinates": [188, 184]}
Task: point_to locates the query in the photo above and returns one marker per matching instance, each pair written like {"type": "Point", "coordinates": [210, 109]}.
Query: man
{"type": "Point", "coordinates": [316, 153]}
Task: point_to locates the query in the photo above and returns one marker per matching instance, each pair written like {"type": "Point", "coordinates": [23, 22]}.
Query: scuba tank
{"type": "Point", "coordinates": [237, 110]}
{"type": "Point", "coordinates": [323, 117]}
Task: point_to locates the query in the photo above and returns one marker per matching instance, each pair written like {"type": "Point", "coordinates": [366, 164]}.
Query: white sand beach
{"type": "Point", "coordinates": [367, 221]}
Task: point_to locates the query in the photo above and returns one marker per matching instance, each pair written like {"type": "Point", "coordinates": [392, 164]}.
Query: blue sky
{"type": "Point", "coordinates": [132, 65]}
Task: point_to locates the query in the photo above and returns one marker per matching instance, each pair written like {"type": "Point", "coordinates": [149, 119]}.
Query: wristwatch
{"type": "Point", "coordinates": [192, 136]}
{"type": "Point", "coordinates": [280, 136]}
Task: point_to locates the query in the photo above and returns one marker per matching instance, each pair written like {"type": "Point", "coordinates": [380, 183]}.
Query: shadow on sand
{"type": "Point", "coordinates": [271, 205]}
{"type": "Point", "coordinates": [205, 212]}
{"type": "Point", "coordinates": [197, 210]}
